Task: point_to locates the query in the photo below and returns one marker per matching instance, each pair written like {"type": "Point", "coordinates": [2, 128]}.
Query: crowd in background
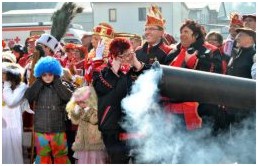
{"type": "Point", "coordinates": [72, 93]}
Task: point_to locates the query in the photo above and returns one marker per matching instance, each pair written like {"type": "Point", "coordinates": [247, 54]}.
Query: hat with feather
{"type": "Point", "coordinates": [60, 22]}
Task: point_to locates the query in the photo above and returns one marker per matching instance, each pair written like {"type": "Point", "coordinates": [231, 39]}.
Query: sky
{"type": "Point", "coordinates": [212, 5]}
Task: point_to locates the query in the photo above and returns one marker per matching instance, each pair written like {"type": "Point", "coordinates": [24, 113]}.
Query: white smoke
{"type": "Point", "coordinates": [166, 141]}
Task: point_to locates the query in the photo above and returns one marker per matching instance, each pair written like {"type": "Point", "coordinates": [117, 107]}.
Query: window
{"type": "Point", "coordinates": [32, 33]}
{"type": "Point", "coordinates": [112, 15]}
{"type": "Point", "coordinates": [142, 14]}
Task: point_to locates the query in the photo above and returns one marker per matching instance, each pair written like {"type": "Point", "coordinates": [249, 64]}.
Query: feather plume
{"type": "Point", "coordinates": [62, 18]}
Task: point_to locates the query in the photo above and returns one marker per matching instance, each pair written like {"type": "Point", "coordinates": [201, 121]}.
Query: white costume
{"type": "Point", "coordinates": [12, 123]}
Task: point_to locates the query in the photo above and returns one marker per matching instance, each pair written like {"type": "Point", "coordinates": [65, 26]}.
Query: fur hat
{"type": "Point", "coordinates": [87, 94]}
{"type": "Point", "coordinates": [49, 41]}
{"type": "Point", "coordinates": [8, 55]}
{"type": "Point", "coordinates": [48, 65]}
{"type": "Point", "coordinates": [12, 68]}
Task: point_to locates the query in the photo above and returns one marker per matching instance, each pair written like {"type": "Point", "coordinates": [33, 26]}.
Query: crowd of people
{"type": "Point", "coordinates": [72, 93]}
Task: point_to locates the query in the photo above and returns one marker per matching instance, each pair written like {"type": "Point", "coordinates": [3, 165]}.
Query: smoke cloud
{"type": "Point", "coordinates": [165, 140]}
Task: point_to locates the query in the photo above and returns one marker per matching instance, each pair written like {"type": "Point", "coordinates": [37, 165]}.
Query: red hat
{"type": "Point", "coordinates": [104, 29]}
{"type": "Point", "coordinates": [154, 17]}
{"type": "Point", "coordinates": [236, 19]}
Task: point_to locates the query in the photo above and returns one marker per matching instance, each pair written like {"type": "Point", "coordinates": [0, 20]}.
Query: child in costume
{"type": "Point", "coordinates": [82, 110]}
{"type": "Point", "coordinates": [12, 107]}
{"type": "Point", "coordinates": [51, 97]}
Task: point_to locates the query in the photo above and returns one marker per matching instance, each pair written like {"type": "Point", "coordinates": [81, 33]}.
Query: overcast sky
{"type": "Point", "coordinates": [212, 5]}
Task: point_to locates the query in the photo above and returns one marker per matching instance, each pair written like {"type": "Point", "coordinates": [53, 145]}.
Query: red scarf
{"type": "Point", "coordinates": [189, 109]}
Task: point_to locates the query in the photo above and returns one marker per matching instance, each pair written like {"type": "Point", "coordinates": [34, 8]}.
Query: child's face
{"type": "Point", "coordinates": [47, 77]}
{"type": "Point", "coordinates": [82, 104]}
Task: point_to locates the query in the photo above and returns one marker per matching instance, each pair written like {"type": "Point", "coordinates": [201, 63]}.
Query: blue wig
{"type": "Point", "coordinates": [48, 65]}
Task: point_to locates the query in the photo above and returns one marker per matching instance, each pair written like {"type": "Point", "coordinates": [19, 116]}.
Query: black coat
{"type": "Point", "coordinates": [241, 65]}
{"type": "Point", "coordinates": [50, 101]}
{"type": "Point", "coordinates": [156, 53]}
{"type": "Point", "coordinates": [209, 57]}
{"type": "Point", "coordinates": [111, 90]}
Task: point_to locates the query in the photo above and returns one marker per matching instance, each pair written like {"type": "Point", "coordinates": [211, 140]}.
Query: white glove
{"type": "Point", "coordinates": [25, 106]}
{"type": "Point", "coordinates": [100, 50]}
{"type": "Point", "coordinates": [86, 109]}
{"type": "Point", "coordinates": [77, 109]}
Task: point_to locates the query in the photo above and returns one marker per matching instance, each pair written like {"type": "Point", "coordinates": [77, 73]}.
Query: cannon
{"type": "Point", "coordinates": [182, 85]}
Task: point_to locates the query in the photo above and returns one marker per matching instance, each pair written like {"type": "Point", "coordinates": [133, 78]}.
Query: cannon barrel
{"type": "Point", "coordinates": [181, 85]}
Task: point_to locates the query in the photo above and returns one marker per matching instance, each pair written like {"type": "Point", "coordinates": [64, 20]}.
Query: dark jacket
{"type": "Point", "coordinates": [209, 57]}
{"type": "Point", "coordinates": [111, 90]}
{"type": "Point", "coordinates": [156, 53]}
{"type": "Point", "coordinates": [50, 101]}
{"type": "Point", "coordinates": [241, 65]}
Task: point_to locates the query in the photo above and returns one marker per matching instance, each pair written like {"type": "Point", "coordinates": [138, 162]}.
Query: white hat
{"type": "Point", "coordinates": [8, 55]}
{"type": "Point", "coordinates": [49, 41]}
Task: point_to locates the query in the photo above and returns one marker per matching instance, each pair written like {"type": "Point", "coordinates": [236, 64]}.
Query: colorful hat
{"type": "Point", "coordinates": [154, 17]}
{"type": "Point", "coordinates": [48, 65]}
{"type": "Point", "coordinates": [104, 29]}
{"type": "Point", "coordinates": [236, 19]}
{"type": "Point", "coordinates": [49, 41]}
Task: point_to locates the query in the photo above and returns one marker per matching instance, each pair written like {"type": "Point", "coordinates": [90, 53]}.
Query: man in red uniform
{"type": "Point", "coordinates": [154, 49]}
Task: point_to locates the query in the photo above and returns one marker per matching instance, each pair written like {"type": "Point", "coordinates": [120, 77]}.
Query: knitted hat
{"type": "Point", "coordinates": [48, 65]}
{"type": "Point", "coordinates": [154, 17]}
{"type": "Point", "coordinates": [49, 41]}
{"type": "Point", "coordinates": [8, 55]}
